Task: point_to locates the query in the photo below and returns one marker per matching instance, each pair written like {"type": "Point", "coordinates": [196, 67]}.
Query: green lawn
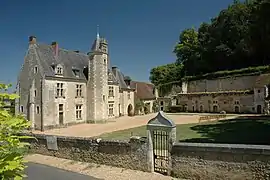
{"type": "Point", "coordinates": [244, 130]}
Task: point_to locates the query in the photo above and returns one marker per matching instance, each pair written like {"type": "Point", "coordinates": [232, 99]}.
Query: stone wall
{"type": "Point", "coordinates": [223, 102]}
{"type": "Point", "coordinates": [189, 160]}
{"type": "Point", "coordinates": [222, 84]}
{"type": "Point", "coordinates": [130, 155]}
{"type": "Point", "coordinates": [220, 161]}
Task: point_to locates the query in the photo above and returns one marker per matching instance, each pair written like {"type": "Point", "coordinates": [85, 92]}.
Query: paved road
{"type": "Point", "coordinates": [43, 172]}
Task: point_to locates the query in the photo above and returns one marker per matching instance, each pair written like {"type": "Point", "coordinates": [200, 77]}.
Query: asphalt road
{"type": "Point", "coordinates": [43, 172]}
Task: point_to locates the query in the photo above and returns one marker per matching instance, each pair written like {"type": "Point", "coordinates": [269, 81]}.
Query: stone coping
{"type": "Point", "coordinates": [216, 93]}
{"type": "Point", "coordinates": [89, 139]}
{"type": "Point", "coordinates": [226, 148]}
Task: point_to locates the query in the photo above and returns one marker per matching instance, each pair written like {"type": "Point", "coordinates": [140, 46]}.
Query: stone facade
{"type": "Point", "coordinates": [145, 92]}
{"type": "Point", "coordinates": [238, 94]}
{"type": "Point", "coordinates": [58, 87]}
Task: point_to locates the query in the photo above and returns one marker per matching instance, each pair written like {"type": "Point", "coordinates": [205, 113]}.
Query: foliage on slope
{"type": "Point", "coordinates": [236, 42]}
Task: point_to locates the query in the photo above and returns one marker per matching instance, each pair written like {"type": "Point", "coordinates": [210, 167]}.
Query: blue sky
{"type": "Point", "coordinates": [141, 33]}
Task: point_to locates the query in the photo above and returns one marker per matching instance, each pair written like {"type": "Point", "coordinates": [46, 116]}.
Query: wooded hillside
{"type": "Point", "coordinates": [239, 37]}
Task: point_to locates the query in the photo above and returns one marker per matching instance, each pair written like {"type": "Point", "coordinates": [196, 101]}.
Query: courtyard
{"type": "Point", "coordinates": [240, 129]}
{"type": "Point", "coordinates": [121, 123]}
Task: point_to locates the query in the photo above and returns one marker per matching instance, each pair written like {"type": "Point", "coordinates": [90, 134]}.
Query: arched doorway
{"type": "Point", "coordinates": [130, 110]}
{"type": "Point", "coordinates": [236, 109]}
{"type": "Point", "coordinates": [215, 108]}
{"type": "Point", "coordinates": [259, 109]}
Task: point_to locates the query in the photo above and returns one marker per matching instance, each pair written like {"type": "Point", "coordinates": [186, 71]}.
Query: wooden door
{"type": "Point", "coordinates": [61, 114]}
{"type": "Point", "coordinates": [61, 118]}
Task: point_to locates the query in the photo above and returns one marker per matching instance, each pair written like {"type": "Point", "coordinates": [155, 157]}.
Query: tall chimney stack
{"type": "Point", "coordinates": [55, 48]}
{"type": "Point", "coordinates": [32, 40]}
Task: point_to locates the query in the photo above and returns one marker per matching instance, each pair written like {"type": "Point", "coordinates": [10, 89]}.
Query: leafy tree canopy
{"type": "Point", "coordinates": [239, 37]}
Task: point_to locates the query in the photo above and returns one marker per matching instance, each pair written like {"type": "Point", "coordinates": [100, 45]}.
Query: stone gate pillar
{"type": "Point", "coordinates": [161, 135]}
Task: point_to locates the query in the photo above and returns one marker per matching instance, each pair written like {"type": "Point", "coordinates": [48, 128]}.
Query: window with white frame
{"type": "Point", "coordinates": [59, 70]}
{"type": "Point", "coordinates": [128, 95]}
{"type": "Point", "coordinates": [111, 93]}
{"type": "Point", "coordinates": [78, 90]}
{"type": "Point", "coordinates": [110, 109]}
{"type": "Point", "coordinates": [61, 108]}
{"type": "Point", "coordinates": [60, 89]}
{"type": "Point", "coordinates": [79, 112]}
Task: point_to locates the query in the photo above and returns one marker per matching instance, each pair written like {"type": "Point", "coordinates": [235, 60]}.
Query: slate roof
{"type": "Point", "coordinates": [121, 79]}
{"type": "Point", "coordinates": [144, 91]}
{"type": "Point", "coordinates": [111, 78]}
{"type": "Point", "coordinates": [71, 60]}
{"type": "Point", "coordinates": [262, 80]}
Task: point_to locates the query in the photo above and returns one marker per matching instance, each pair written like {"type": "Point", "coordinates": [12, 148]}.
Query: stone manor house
{"type": "Point", "coordinates": [235, 94]}
{"type": "Point", "coordinates": [59, 87]}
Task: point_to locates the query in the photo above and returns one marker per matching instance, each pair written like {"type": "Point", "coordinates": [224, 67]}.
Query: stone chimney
{"type": "Point", "coordinates": [55, 48]}
{"type": "Point", "coordinates": [32, 40]}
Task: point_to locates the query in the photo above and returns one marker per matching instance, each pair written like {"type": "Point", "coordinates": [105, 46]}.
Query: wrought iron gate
{"type": "Point", "coordinates": [161, 151]}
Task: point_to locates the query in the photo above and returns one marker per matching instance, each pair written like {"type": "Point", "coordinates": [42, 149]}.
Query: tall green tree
{"type": "Point", "coordinates": [12, 149]}
{"type": "Point", "coordinates": [187, 51]}
{"type": "Point", "coordinates": [259, 31]}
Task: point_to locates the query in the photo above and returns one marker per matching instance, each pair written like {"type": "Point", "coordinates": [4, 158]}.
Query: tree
{"type": "Point", "coordinates": [187, 51]}
{"type": "Point", "coordinates": [166, 73]}
{"type": "Point", "coordinates": [259, 31]}
{"type": "Point", "coordinates": [12, 149]}
{"type": "Point", "coordinates": [138, 105]}
{"type": "Point", "coordinates": [239, 37]}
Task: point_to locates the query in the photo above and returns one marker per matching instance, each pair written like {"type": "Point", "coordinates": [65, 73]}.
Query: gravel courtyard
{"type": "Point", "coordinates": [90, 130]}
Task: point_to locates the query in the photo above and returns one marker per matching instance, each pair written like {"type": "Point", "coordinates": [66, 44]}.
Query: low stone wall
{"type": "Point", "coordinates": [220, 161]}
{"type": "Point", "coordinates": [198, 161]}
{"type": "Point", "coordinates": [130, 155]}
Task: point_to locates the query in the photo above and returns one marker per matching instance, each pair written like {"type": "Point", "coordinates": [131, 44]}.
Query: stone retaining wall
{"type": "Point", "coordinates": [220, 161]}
{"type": "Point", "coordinates": [130, 155]}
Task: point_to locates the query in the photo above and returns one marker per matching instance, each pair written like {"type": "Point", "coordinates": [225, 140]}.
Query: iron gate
{"type": "Point", "coordinates": [161, 151]}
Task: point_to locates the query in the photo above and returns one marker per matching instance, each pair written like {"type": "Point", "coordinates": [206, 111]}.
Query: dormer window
{"type": "Point", "coordinates": [58, 69]}
{"type": "Point", "coordinates": [76, 72]}
{"type": "Point", "coordinates": [127, 80]}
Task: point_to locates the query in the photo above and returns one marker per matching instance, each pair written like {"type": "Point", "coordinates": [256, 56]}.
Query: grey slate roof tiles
{"type": "Point", "coordinates": [71, 61]}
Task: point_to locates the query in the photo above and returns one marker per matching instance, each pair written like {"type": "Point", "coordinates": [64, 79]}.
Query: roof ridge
{"type": "Point", "coordinates": [63, 49]}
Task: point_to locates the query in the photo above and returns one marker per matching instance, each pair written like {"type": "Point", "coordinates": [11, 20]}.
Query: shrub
{"type": "Point", "coordinates": [12, 149]}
